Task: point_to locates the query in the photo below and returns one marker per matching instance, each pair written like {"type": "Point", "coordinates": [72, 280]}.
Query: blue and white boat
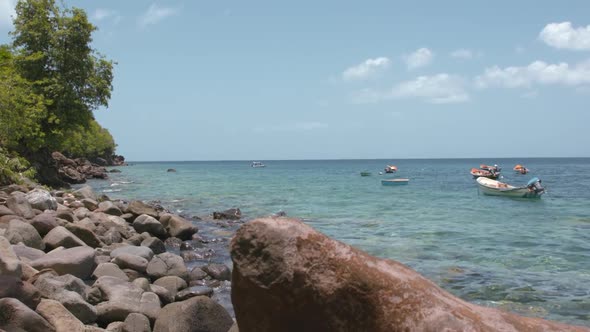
{"type": "Point", "coordinates": [394, 182]}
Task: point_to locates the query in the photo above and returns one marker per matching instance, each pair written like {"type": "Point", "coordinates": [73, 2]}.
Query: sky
{"type": "Point", "coordinates": [268, 80]}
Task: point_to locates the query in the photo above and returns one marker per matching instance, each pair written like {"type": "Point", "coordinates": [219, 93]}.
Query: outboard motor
{"type": "Point", "coordinates": [535, 186]}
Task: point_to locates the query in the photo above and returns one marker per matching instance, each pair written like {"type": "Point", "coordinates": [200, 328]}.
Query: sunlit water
{"type": "Point", "coordinates": [528, 256]}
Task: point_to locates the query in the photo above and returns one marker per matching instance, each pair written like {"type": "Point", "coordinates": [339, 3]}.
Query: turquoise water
{"type": "Point", "coordinates": [528, 256]}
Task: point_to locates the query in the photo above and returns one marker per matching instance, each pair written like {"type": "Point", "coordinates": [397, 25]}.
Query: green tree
{"type": "Point", "coordinates": [53, 53]}
{"type": "Point", "coordinates": [92, 142]}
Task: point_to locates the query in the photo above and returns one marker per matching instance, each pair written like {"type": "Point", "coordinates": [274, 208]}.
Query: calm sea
{"type": "Point", "coordinates": [527, 256]}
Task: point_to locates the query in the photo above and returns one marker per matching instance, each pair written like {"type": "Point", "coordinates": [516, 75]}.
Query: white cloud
{"type": "Point", "coordinates": [155, 14]}
{"type": "Point", "coordinates": [103, 14]}
{"type": "Point", "coordinates": [7, 12]}
{"type": "Point", "coordinates": [537, 72]}
{"type": "Point", "coordinates": [366, 69]}
{"type": "Point", "coordinates": [420, 58]}
{"type": "Point", "coordinates": [563, 35]}
{"type": "Point", "coordinates": [462, 53]}
{"type": "Point", "coordinates": [437, 89]}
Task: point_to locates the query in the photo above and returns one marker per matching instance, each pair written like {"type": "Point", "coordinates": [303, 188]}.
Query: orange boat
{"type": "Point", "coordinates": [390, 169]}
{"type": "Point", "coordinates": [520, 169]}
{"type": "Point", "coordinates": [477, 173]}
{"type": "Point", "coordinates": [494, 168]}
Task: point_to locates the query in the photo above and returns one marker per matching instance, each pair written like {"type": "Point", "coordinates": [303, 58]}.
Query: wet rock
{"type": "Point", "coordinates": [109, 269]}
{"type": "Point", "coordinates": [167, 264]}
{"type": "Point", "coordinates": [61, 237]}
{"type": "Point", "coordinates": [41, 199]}
{"type": "Point", "coordinates": [77, 261]}
{"type": "Point", "coordinates": [197, 274]}
{"type": "Point", "coordinates": [177, 226]}
{"type": "Point", "coordinates": [196, 314]}
{"type": "Point", "coordinates": [138, 208]}
{"type": "Point", "coordinates": [173, 242]}
{"type": "Point", "coordinates": [15, 316]}
{"type": "Point", "coordinates": [172, 284]}
{"type": "Point", "coordinates": [136, 323]}
{"type": "Point", "coordinates": [145, 223]}
{"type": "Point", "coordinates": [20, 231]}
{"type": "Point", "coordinates": [134, 262]}
{"type": "Point", "coordinates": [190, 292]}
{"type": "Point", "coordinates": [58, 316]}
{"type": "Point", "coordinates": [21, 290]}
{"type": "Point", "coordinates": [17, 202]}
{"type": "Point", "coordinates": [10, 265]}
{"type": "Point", "coordinates": [217, 271]}
{"type": "Point", "coordinates": [109, 207]}
{"type": "Point", "coordinates": [230, 214]}
{"type": "Point", "coordinates": [287, 276]}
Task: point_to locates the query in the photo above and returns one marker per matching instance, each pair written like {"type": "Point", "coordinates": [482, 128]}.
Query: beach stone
{"type": "Point", "coordinates": [16, 316]}
{"type": "Point", "coordinates": [70, 292]}
{"type": "Point", "coordinates": [109, 207]}
{"type": "Point", "coordinates": [84, 234]}
{"type": "Point", "coordinates": [20, 231]}
{"type": "Point", "coordinates": [140, 251]}
{"type": "Point", "coordinates": [41, 200]}
{"type": "Point", "coordinates": [163, 294]}
{"type": "Point", "coordinates": [195, 314]}
{"type": "Point", "coordinates": [142, 283]}
{"type": "Point", "coordinates": [145, 223]}
{"type": "Point", "coordinates": [288, 276]}
{"type": "Point", "coordinates": [23, 291]}
{"type": "Point", "coordinates": [173, 242]}
{"type": "Point", "coordinates": [230, 214]}
{"type": "Point", "coordinates": [85, 192]}
{"type": "Point", "coordinates": [58, 316]}
{"type": "Point", "coordinates": [167, 264]}
{"type": "Point", "coordinates": [133, 274]}
{"type": "Point", "coordinates": [197, 274]}
{"type": "Point", "coordinates": [61, 237]}
{"type": "Point", "coordinates": [193, 291]}
{"type": "Point", "coordinates": [77, 261]}
{"type": "Point", "coordinates": [109, 269]}
{"type": "Point", "coordinates": [89, 204]}
{"type": "Point", "coordinates": [27, 253]}
{"type": "Point", "coordinates": [66, 214]}
{"type": "Point", "coordinates": [172, 283]}
{"type": "Point", "coordinates": [217, 271]}
{"type": "Point", "coordinates": [133, 262]}
{"type": "Point", "coordinates": [136, 323]}
{"type": "Point", "coordinates": [5, 211]}
{"type": "Point", "coordinates": [45, 222]}
{"type": "Point", "coordinates": [122, 298]}
{"type": "Point", "coordinates": [17, 202]}
{"type": "Point", "coordinates": [99, 259]}
{"type": "Point", "coordinates": [155, 244]}
{"type": "Point", "coordinates": [234, 328]}
{"type": "Point", "coordinates": [10, 264]}
{"type": "Point", "coordinates": [82, 213]}
{"type": "Point", "coordinates": [115, 327]}
{"type": "Point", "coordinates": [138, 208]}
{"type": "Point", "coordinates": [111, 236]}
{"type": "Point", "coordinates": [129, 217]}
{"type": "Point", "coordinates": [177, 226]}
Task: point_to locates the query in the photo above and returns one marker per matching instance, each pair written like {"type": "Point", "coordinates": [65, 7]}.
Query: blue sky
{"type": "Point", "coordinates": [237, 80]}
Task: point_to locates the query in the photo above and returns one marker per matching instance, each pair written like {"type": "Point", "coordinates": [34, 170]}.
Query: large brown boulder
{"type": "Point", "coordinates": [289, 277]}
{"type": "Point", "coordinates": [15, 316]}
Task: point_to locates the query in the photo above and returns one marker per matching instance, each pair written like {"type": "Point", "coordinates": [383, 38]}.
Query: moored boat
{"type": "Point", "coordinates": [533, 188]}
{"type": "Point", "coordinates": [257, 164]}
{"type": "Point", "coordinates": [390, 169]}
{"type": "Point", "coordinates": [477, 173]}
{"type": "Point", "coordinates": [394, 182]}
{"type": "Point", "coordinates": [520, 169]}
{"type": "Point", "coordinates": [365, 173]}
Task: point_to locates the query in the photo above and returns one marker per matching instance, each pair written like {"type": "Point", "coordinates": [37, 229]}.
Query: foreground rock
{"type": "Point", "coordinates": [289, 277]}
{"type": "Point", "coordinates": [15, 316]}
{"type": "Point", "coordinates": [77, 261]}
{"type": "Point", "coordinates": [196, 314]}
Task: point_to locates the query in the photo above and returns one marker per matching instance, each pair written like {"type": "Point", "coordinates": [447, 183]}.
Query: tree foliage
{"type": "Point", "coordinates": [91, 142]}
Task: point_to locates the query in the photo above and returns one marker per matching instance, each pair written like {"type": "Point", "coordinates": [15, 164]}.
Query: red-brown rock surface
{"type": "Point", "coordinates": [289, 277]}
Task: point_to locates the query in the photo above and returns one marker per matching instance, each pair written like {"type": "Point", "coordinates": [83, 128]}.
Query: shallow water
{"type": "Point", "coordinates": [528, 256]}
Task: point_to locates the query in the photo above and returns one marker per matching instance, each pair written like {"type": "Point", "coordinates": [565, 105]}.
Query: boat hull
{"type": "Point", "coordinates": [488, 187]}
{"type": "Point", "coordinates": [395, 182]}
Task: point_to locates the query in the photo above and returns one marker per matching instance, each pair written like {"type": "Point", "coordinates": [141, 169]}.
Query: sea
{"type": "Point", "coordinates": [529, 256]}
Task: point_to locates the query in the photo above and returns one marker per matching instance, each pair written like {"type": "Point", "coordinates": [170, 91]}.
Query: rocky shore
{"type": "Point", "coordinates": [75, 261]}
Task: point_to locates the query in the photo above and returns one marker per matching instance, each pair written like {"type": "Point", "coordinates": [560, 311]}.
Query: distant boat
{"type": "Point", "coordinates": [477, 173]}
{"type": "Point", "coordinates": [394, 182]}
{"type": "Point", "coordinates": [494, 168]}
{"type": "Point", "coordinates": [533, 189]}
{"type": "Point", "coordinates": [520, 169]}
{"type": "Point", "coordinates": [390, 169]}
{"type": "Point", "coordinates": [365, 173]}
{"type": "Point", "coordinates": [257, 164]}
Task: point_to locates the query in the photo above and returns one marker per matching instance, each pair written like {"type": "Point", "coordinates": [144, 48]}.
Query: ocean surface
{"type": "Point", "coordinates": [527, 256]}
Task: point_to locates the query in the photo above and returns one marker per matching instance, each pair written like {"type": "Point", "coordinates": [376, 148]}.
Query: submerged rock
{"type": "Point", "coordinates": [289, 277]}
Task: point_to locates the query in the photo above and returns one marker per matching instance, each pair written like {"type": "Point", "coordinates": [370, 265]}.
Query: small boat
{"type": "Point", "coordinates": [477, 173]}
{"type": "Point", "coordinates": [394, 182]}
{"type": "Point", "coordinates": [520, 169]}
{"type": "Point", "coordinates": [533, 188]}
{"type": "Point", "coordinates": [257, 164]}
{"type": "Point", "coordinates": [390, 169]}
{"type": "Point", "coordinates": [365, 173]}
